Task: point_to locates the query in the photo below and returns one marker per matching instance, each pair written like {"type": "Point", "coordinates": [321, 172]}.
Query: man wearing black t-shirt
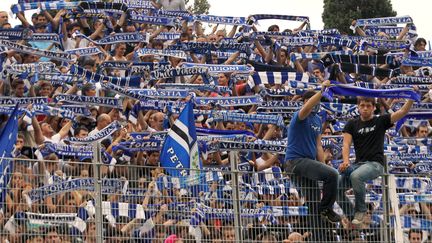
{"type": "Point", "coordinates": [367, 132]}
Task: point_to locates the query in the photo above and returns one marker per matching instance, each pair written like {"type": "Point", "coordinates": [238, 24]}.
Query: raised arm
{"type": "Point", "coordinates": [312, 102]}
{"type": "Point", "coordinates": [320, 151]}
{"type": "Point", "coordinates": [396, 116]}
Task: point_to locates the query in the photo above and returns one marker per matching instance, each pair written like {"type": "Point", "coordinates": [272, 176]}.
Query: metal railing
{"type": "Point", "coordinates": [92, 202]}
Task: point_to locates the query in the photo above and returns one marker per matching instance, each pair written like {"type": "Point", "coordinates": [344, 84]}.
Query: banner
{"type": "Point", "coordinates": [229, 101]}
{"type": "Point", "coordinates": [107, 131]}
{"type": "Point", "coordinates": [87, 184]}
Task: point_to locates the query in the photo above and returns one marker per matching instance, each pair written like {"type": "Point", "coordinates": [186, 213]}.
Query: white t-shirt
{"type": "Point", "coordinates": [71, 43]}
{"type": "Point", "coordinates": [56, 138]}
{"type": "Point", "coordinates": [172, 5]}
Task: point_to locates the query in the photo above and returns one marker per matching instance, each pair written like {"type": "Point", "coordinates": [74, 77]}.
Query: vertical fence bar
{"type": "Point", "coordinates": [98, 190]}
{"type": "Point", "coordinates": [386, 228]}
{"type": "Point", "coordinates": [236, 196]}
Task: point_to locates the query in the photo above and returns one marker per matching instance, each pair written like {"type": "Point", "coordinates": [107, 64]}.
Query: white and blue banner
{"type": "Point", "coordinates": [8, 137]}
{"type": "Point", "coordinates": [180, 154]}
{"type": "Point", "coordinates": [104, 133]}
{"type": "Point", "coordinates": [213, 68]}
{"type": "Point", "coordinates": [88, 100]}
{"type": "Point", "coordinates": [229, 101]}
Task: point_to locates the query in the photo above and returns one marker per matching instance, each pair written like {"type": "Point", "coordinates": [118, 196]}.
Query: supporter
{"type": "Point", "coordinates": [4, 17]}
{"type": "Point", "coordinates": [300, 160]}
{"type": "Point", "coordinates": [51, 235]}
{"type": "Point", "coordinates": [415, 236]}
{"type": "Point", "coordinates": [102, 121]}
{"type": "Point", "coordinates": [367, 133]}
{"type": "Point", "coordinates": [422, 131]}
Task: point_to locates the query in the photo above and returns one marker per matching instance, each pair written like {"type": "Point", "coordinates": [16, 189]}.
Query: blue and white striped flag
{"type": "Point", "coordinates": [180, 155]}
{"type": "Point", "coordinates": [8, 138]}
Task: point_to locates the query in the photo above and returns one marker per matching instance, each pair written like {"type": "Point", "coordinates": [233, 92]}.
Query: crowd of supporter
{"type": "Point", "coordinates": [171, 213]}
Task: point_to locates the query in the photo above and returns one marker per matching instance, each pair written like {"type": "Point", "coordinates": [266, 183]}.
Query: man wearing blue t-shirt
{"type": "Point", "coordinates": [305, 158]}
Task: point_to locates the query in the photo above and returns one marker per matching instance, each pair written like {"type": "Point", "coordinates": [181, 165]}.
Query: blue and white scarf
{"type": "Point", "coordinates": [391, 31]}
{"type": "Point", "coordinates": [206, 47]}
{"type": "Point", "coordinates": [298, 41]}
{"type": "Point", "coordinates": [332, 32]}
{"type": "Point", "coordinates": [54, 111]}
{"type": "Point", "coordinates": [200, 87]}
{"type": "Point", "coordinates": [336, 41]}
{"type": "Point", "coordinates": [139, 145]}
{"type": "Point", "coordinates": [80, 110]}
{"type": "Point", "coordinates": [185, 15]}
{"type": "Point", "coordinates": [59, 56]}
{"type": "Point", "coordinates": [220, 19]}
{"type": "Point", "coordinates": [118, 38]}
{"type": "Point", "coordinates": [88, 100]}
{"type": "Point", "coordinates": [45, 37]}
{"type": "Point", "coordinates": [141, 67]}
{"type": "Point", "coordinates": [418, 62]}
{"type": "Point", "coordinates": [170, 53]}
{"type": "Point", "coordinates": [254, 18]}
{"type": "Point", "coordinates": [282, 92]}
{"type": "Point", "coordinates": [108, 186]}
{"type": "Point", "coordinates": [415, 116]}
{"type": "Point", "coordinates": [387, 44]}
{"type": "Point", "coordinates": [282, 104]}
{"type": "Point", "coordinates": [329, 59]}
{"type": "Point", "coordinates": [15, 34]}
{"type": "Point", "coordinates": [419, 54]}
{"type": "Point", "coordinates": [69, 150]}
{"type": "Point", "coordinates": [133, 81]}
{"type": "Point", "coordinates": [272, 78]}
{"type": "Point", "coordinates": [102, 7]}
{"type": "Point", "coordinates": [58, 78]}
{"type": "Point", "coordinates": [86, 51]}
{"type": "Point", "coordinates": [167, 36]}
{"type": "Point", "coordinates": [212, 68]}
{"type": "Point", "coordinates": [122, 91]}
{"type": "Point", "coordinates": [156, 20]}
{"type": "Point", "coordinates": [256, 146]}
{"type": "Point", "coordinates": [31, 68]}
{"type": "Point", "coordinates": [175, 72]}
{"type": "Point", "coordinates": [21, 7]}
{"type": "Point", "coordinates": [414, 107]}
{"type": "Point", "coordinates": [107, 131]}
{"type": "Point", "coordinates": [262, 34]}
{"type": "Point", "coordinates": [342, 89]}
{"type": "Point", "coordinates": [160, 93]}
{"type": "Point", "coordinates": [316, 55]}
{"type": "Point", "coordinates": [131, 4]}
{"type": "Point", "coordinates": [22, 101]}
{"type": "Point", "coordinates": [229, 101]}
{"type": "Point", "coordinates": [253, 118]}
{"type": "Point", "coordinates": [412, 141]}
{"type": "Point", "coordinates": [402, 79]}
{"type": "Point", "coordinates": [383, 21]}
{"type": "Point", "coordinates": [226, 54]}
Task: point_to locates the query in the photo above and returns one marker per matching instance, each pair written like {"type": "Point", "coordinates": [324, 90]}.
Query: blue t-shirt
{"type": "Point", "coordinates": [302, 135]}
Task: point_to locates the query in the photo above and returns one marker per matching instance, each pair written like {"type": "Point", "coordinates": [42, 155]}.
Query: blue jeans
{"type": "Point", "coordinates": [356, 176]}
{"type": "Point", "coordinates": [307, 173]}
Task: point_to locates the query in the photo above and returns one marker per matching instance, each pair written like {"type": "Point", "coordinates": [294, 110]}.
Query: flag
{"type": "Point", "coordinates": [180, 154]}
{"type": "Point", "coordinates": [8, 138]}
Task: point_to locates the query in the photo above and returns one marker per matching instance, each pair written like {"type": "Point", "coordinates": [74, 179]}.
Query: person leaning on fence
{"type": "Point", "coordinates": [367, 133]}
{"type": "Point", "coordinates": [304, 157]}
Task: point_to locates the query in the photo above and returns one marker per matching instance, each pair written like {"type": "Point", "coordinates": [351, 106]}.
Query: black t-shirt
{"type": "Point", "coordinates": [368, 137]}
